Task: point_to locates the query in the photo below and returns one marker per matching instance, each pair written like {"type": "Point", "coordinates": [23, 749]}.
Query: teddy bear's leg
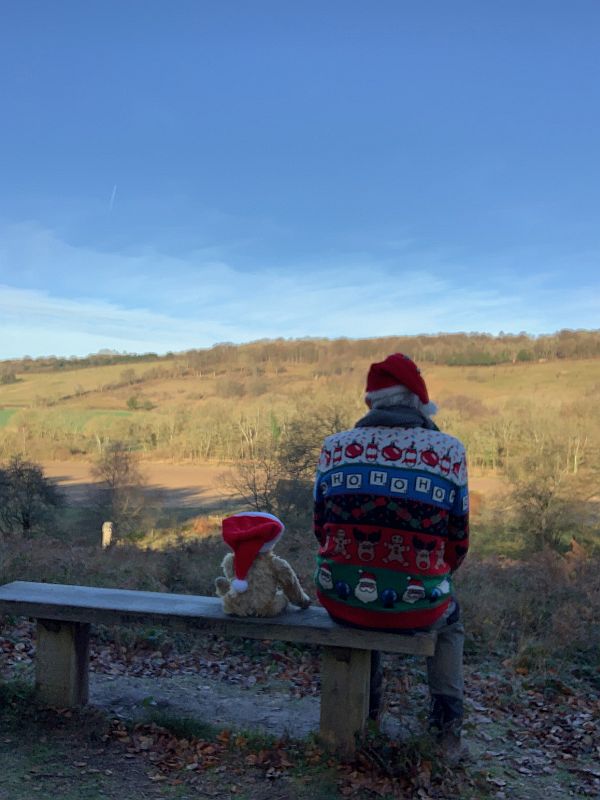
{"type": "Point", "coordinates": [231, 604]}
{"type": "Point", "coordinates": [222, 586]}
{"type": "Point", "coordinates": [288, 581]}
{"type": "Point", "coordinates": [276, 605]}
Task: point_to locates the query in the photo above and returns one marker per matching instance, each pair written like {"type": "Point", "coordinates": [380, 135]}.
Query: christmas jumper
{"type": "Point", "coordinates": [392, 521]}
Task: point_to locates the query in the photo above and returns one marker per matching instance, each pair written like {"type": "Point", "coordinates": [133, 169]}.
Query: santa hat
{"type": "Point", "coordinates": [397, 370]}
{"type": "Point", "coordinates": [366, 576]}
{"type": "Point", "coordinates": [248, 534]}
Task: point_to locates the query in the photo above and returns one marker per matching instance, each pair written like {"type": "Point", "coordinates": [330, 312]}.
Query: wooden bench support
{"type": "Point", "coordinates": [62, 662]}
{"type": "Point", "coordinates": [345, 678]}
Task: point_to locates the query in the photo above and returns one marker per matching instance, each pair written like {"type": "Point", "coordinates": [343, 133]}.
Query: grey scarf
{"type": "Point", "coordinates": [396, 417]}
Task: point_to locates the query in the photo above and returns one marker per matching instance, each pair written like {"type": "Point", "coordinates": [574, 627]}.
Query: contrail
{"type": "Point", "coordinates": [112, 199]}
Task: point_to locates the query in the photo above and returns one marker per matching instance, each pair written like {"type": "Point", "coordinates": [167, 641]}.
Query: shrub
{"type": "Point", "coordinates": [228, 387]}
{"type": "Point", "coordinates": [7, 375]}
{"type": "Point", "coordinates": [28, 500]}
{"type": "Point", "coordinates": [467, 407]}
{"type": "Point", "coordinates": [538, 611]}
{"type": "Point", "coordinates": [542, 507]}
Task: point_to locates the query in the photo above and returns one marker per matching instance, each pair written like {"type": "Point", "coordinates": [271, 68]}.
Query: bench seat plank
{"type": "Point", "coordinates": [115, 606]}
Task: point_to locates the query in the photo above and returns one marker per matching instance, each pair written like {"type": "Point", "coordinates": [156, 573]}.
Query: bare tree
{"type": "Point", "coordinates": [278, 474]}
{"type": "Point", "coordinates": [119, 494]}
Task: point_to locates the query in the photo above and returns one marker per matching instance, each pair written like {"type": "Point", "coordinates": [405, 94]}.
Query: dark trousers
{"type": "Point", "coordinates": [444, 669]}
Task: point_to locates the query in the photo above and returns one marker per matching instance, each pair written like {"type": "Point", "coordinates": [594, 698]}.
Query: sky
{"type": "Point", "coordinates": [178, 173]}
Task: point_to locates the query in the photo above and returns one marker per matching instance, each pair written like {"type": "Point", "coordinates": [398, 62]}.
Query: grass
{"type": "Point", "coordinates": [179, 726]}
{"type": "Point", "coordinates": [70, 755]}
{"type": "Point", "coordinates": [67, 755]}
{"type": "Point", "coordinates": [5, 415]}
{"type": "Point", "coordinates": [563, 381]}
{"type": "Point", "coordinates": [82, 755]}
{"type": "Point", "coordinates": [55, 385]}
{"type": "Point", "coordinates": [69, 419]}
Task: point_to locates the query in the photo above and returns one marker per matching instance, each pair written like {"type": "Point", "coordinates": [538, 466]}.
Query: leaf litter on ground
{"type": "Point", "coordinates": [525, 727]}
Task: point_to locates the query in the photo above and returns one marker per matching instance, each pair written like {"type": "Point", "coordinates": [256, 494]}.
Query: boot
{"type": "Point", "coordinates": [445, 724]}
{"type": "Point", "coordinates": [452, 745]}
{"type": "Point", "coordinates": [443, 710]}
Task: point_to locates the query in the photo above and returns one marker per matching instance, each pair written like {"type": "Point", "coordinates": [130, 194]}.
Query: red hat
{"type": "Point", "coordinates": [397, 370]}
{"type": "Point", "coordinates": [366, 576]}
{"type": "Point", "coordinates": [248, 534]}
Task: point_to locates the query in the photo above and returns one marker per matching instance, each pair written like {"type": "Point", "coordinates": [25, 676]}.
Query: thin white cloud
{"type": "Point", "coordinates": [67, 300]}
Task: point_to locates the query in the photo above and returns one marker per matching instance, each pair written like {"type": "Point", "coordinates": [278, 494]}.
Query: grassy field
{"type": "Point", "coordinates": [52, 386]}
{"type": "Point", "coordinates": [563, 381]}
{"type": "Point", "coordinates": [5, 415]}
{"type": "Point", "coordinates": [202, 417]}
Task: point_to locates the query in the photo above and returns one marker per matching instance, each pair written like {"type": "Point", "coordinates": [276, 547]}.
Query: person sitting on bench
{"type": "Point", "coordinates": [391, 519]}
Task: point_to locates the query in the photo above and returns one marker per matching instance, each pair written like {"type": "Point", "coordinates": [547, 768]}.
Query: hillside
{"type": "Point", "coordinates": [203, 405]}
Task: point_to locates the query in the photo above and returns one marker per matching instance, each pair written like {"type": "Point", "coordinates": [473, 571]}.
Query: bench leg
{"type": "Point", "coordinates": [62, 662]}
{"type": "Point", "coordinates": [345, 675]}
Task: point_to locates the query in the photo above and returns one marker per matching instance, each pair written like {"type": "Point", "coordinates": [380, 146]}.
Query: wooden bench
{"type": "Point", "coordinates": [64, 615]}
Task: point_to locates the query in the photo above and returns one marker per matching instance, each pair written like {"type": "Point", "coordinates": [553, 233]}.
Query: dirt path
{"type": "Point", "coordinates": [266, 709]}
{"type": "Point", "coordinates": [174, 485]}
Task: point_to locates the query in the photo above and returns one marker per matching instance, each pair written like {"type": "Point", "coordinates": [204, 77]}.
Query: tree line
{"type": "Point", "coordinates": [450, 349]}
{"type": "Point", "coordinates": [457, 349]}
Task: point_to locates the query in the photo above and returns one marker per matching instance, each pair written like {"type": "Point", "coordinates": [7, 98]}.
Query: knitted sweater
{"type": "Point", "coordinates": [391, 518]}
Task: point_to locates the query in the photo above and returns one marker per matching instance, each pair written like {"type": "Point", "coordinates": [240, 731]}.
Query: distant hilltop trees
{"type": "Point", "coordinates": [451, 349]}
{"type": "Point", "coordinates": [63, 364]}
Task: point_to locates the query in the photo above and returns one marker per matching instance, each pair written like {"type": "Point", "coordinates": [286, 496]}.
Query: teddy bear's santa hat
{"type": "Point", "coordinates": [248, 534]}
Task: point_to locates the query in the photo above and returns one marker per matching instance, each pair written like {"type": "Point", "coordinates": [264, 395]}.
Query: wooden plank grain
{"type": "Point", "coordinates": [62, 662]}
{"type": "Point", "coordinates": [345, 677]}
{"type": "Point", "coordinates": [122, 606]}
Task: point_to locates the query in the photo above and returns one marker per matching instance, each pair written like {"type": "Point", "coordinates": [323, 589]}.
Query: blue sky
{"type": "Point", "coordinates": [175, 174]}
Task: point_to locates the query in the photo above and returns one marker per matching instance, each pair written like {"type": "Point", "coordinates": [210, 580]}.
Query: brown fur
{"type": "Point", "coordinates": [271, 583]}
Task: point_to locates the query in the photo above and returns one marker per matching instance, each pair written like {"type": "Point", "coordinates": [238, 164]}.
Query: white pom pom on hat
{"type": "Point", "coordinates": [248, 534]}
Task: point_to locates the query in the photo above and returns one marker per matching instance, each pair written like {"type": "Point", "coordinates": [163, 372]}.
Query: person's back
{"type": "Point", "coordinates": [391, 520]}
{"type": "Point", "coordinates": [391, 516]}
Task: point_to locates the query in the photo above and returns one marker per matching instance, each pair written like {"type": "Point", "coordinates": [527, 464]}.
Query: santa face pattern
{"type": "Point", "coordinates": [393, 501]}
{"type": "Point", "coordinates": [324, 577]}
{"type": "Point", "coordinates": [414, 592]}
{"type": "Point", "coordinates": [378, 589]}
{"type": "Point", "coordinates": [366, 589]}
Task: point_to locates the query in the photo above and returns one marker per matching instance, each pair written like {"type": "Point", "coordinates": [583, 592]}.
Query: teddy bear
{"type": "Point", "coordinates": [256, 583]}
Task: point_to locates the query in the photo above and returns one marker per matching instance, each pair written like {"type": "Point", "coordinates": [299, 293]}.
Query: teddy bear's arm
{"type": "Point", "coordinates": [227, 566]}
{"type": "Point", "coordinates": [287, 579]}
{"type": "Point", "coordinates": [223, 584]}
